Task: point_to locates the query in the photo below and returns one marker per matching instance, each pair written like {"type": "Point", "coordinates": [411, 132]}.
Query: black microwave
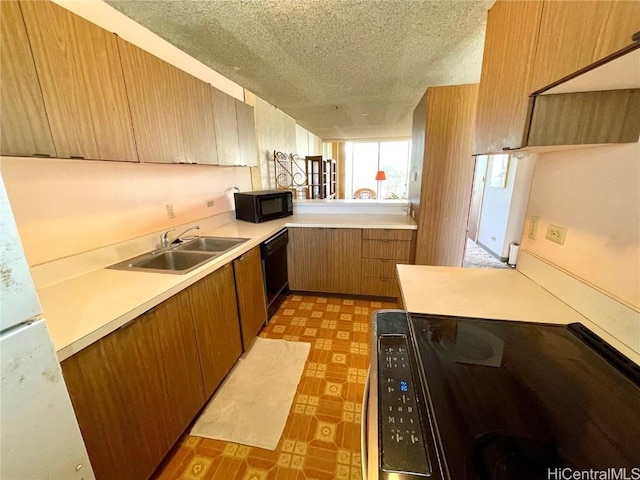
{"type": "Point", "coordinates": [262, 206]}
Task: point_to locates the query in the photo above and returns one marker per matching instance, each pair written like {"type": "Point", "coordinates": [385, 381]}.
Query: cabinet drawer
{"type": "Point", "coordinates": [386, 234]}
{"type": "Point", "coordinates": [384, 287]}
{"type": "Point", "coordinates": [399, 250]}
{"type": "Point", "coordinates": [380, 267]}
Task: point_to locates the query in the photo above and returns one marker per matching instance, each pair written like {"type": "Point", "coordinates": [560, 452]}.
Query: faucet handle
{"type": "Point", "coordinates": [164, 238]}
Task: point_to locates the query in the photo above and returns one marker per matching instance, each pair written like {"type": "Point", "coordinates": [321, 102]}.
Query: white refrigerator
{"type": "Point", "coordinates": [39, 434]}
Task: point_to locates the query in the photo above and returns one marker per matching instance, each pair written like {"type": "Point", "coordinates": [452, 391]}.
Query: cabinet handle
{"type": "Point", "coordinates": [384, 260]}
{"type": "Point", "coordinates": [44, 155]}
{"type": "Point", "coordinates": [77, 157]}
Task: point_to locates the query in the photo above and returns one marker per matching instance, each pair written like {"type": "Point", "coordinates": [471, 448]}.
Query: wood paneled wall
{"type": "Point", "coordinates": [446, 172]}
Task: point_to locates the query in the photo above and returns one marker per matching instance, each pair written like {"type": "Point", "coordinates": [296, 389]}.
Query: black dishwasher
{"type": "Point", "coordinates": [274, 269]}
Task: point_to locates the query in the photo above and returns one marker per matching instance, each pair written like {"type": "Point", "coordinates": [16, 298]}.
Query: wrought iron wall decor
{"type": "Point", "coordinates": [291, 172]}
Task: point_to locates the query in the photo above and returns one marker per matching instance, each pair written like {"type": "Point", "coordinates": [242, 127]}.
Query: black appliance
{"type": "Point", "coordinates": [475, 399]}
{"type": "Point", "coordinates": [274, 269]}
{"type": "Point", "coordinates": [264, 205]}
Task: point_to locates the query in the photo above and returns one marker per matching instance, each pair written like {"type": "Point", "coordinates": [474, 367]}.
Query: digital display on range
{"type": "Point", "coordinates": [403, 449]}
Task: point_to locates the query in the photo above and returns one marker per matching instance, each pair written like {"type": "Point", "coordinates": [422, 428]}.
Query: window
{"type": "Point", "coordinates": [365, 159]}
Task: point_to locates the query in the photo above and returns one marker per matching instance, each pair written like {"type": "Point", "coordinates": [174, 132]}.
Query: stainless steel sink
{"type": "Point", "coordinates": [210, 244]}
{"type": "Point", "coordinates": [182, 258]}
{"type": "Point", "coordinates": [170, 261]}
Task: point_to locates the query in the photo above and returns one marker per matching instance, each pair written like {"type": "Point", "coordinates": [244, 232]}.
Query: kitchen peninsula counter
{"type": "Point", "coordinates": [489, 293]}
{"type": "Point", "coordinates": [85, 307]}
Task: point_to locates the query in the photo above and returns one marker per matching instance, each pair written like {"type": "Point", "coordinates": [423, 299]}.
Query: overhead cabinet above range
{"type": "Point", "coordinates": [530, 44]}
{"type": "Point", "coordinates": [599, 104]}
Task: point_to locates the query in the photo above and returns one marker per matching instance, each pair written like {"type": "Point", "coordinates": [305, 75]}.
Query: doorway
{"type": "Point", "coordinates": [477, 193]}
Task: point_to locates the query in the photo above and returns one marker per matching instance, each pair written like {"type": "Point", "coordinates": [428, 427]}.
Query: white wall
{"type": "Point", "coordinates": [66, 207]}
{"type": "Point", "coordinates": [503, 209]}
{"type": "Point", "coordinates": [595, 194]}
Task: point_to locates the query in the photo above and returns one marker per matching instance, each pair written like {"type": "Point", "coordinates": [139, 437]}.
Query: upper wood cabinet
{"type": "Point", "coordinates": [531, 44]}
{"type": "Point", "coordinates": [152, 88]}
{"type": "Point", "coordinates": [574, 34]}
{"type": "Point", "coordinates": [246, 134]}
{"type": "Point", "coordinates": [197, 120]}
{"type": "Point", "coordinates": [82, 85]}
{"type": "Point", "coordinates": [25, 128]}
{"type": "Point", "coordinates": [503, 98]}
{"type": "Point", "coordinates": [226, 124]}
{"type": "Point", "coordinates": [172, 111]}
{"type": "Point", "coordinates": [215, 316]}
{"type": "Point", "coordinates": [252, 304]}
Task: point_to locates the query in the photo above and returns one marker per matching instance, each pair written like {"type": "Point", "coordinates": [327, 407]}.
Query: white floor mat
{"type": "Point", "coordinates": [252, 404]}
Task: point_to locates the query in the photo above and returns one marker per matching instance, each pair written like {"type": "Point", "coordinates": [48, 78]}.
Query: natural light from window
{"type": "Point", "coordinates": [365, 159]}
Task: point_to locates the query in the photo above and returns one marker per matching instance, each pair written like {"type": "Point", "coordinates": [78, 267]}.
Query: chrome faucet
{"type": "Point", "coordinates": [164, 238]}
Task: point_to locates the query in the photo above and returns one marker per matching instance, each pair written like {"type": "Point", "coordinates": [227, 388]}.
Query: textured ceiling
{"type": "Point", "coordinates": [343, 69]}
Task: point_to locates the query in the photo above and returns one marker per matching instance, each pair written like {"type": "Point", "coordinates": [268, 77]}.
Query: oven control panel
{"type": "Point", "coordinates": [403, 448]}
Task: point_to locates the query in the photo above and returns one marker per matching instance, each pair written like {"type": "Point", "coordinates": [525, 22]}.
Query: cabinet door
{"type": "Point", "coordinates": [308, 260]}
{"type": "Point", "coordinates": [246, 134]}
{"type": "Point", "coordinates": [136, 390]}
{"type": "Point", "coordinates": [152, 88]}
{"type": "Point", "coordinates": [226, 125]}
{"type": "Point", "coordinates": [25, 128]}
{"type": "Point", "coordinates": [576, 34]}
{"type": "Point", "coordinates": [179, 364]}
{"type": "Point", "coordinates": [344, 247]}
{"type": "Point", "coordinates": [503, 99]}
{"type": "Point", "coordinates": [252, 304]}
{"type": "Point", "coordinates": [197, 120]}
{"type": "Point", "coordinates": [82, 85]}
{"type": "Point", "coordinates": [215, 316]}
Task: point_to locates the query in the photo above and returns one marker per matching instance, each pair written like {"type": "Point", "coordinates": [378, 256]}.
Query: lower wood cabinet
{"type": "Point", "coordinates": [215, 316]}
{"type": "Point", "coordinates": [252, 304]}
{"type": "Point", "coordinates": [136, 390]}
{"type": "Point", "coordinates": [382, 250]}
{"type": "Point", "coordinates": [324, 259]}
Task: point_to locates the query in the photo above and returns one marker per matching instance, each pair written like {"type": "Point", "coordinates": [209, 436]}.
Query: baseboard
{"type": "Point", "coordinates": [490, 252]}
{"type": "Point", "coordinates": [618, 319]}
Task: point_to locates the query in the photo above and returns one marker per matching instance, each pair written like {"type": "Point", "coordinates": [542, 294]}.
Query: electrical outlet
{"type": "Point", "coordinates": [171, 213]}
{"type": "Point", "coordinates": [211, 203]}
{"type": "Point", "coordinates": [556, 234]}
{"type": "Point", "coordinates": [533, 227]}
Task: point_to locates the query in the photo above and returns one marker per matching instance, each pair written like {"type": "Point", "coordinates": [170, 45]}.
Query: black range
{"type": "Point", "coordinates": [495, 399]}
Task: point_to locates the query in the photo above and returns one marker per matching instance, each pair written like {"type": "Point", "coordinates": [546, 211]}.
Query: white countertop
{"type": "Point", "coordinates": [486, 293]}
{"type": "Point", "coordinates": [81, 310]}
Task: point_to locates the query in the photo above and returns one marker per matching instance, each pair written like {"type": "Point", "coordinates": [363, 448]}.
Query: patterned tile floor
{"type": "Point", "coordinates": [321, 439]}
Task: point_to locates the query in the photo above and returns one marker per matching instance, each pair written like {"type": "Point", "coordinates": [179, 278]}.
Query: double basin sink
{"type": "Point", "coordinates": [181, 258]}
